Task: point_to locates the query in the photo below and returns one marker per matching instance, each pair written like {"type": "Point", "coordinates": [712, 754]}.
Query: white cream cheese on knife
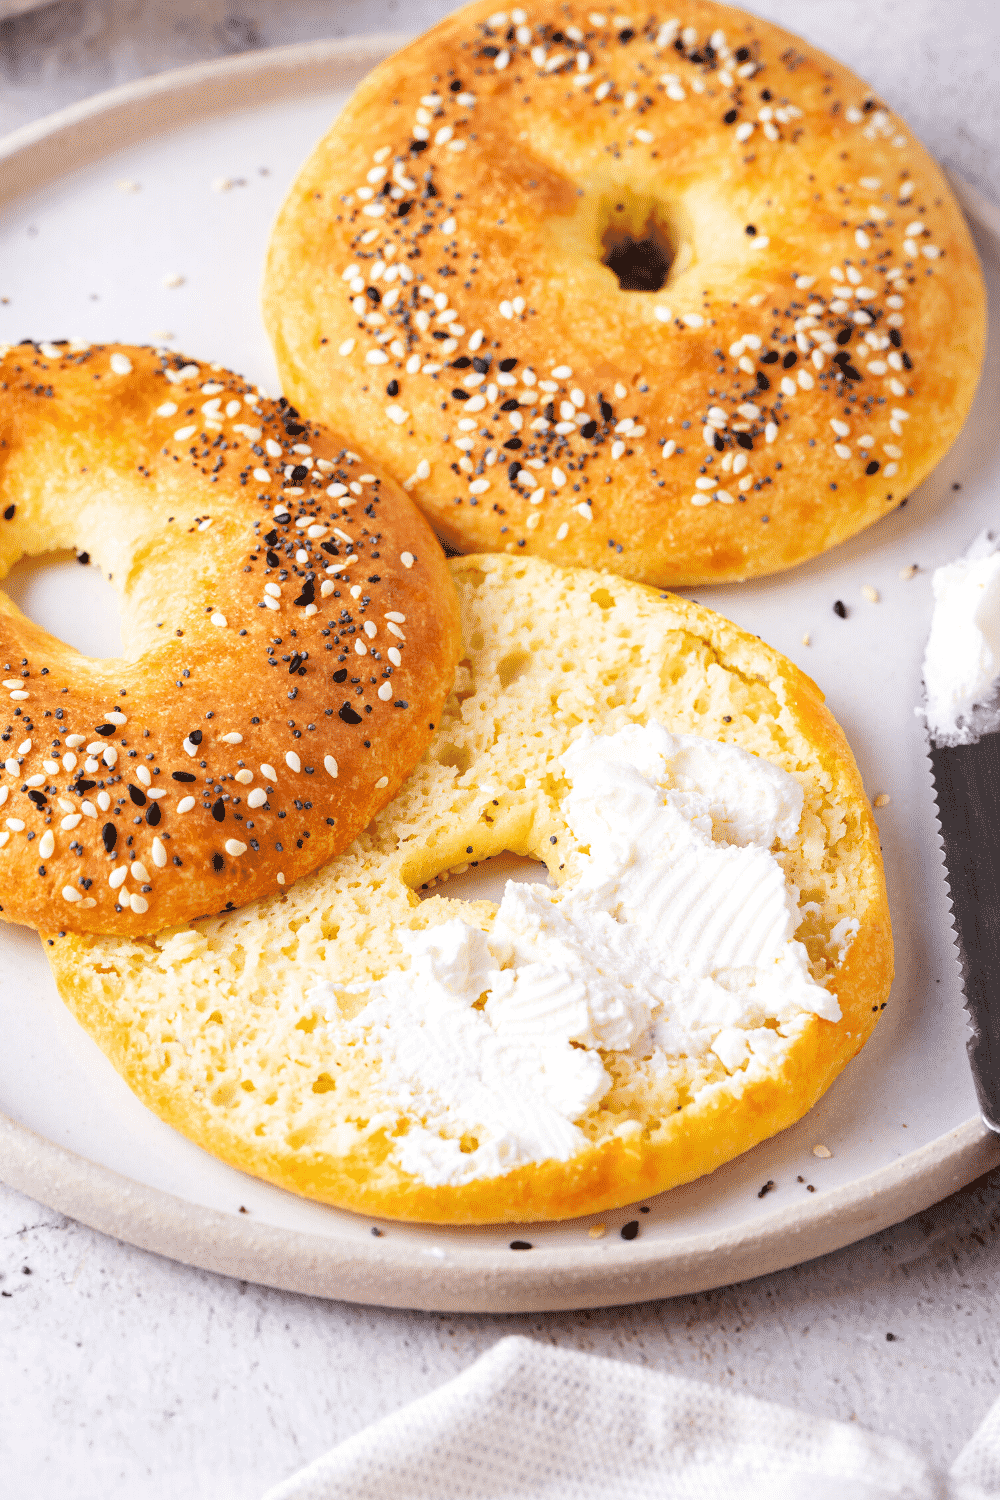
{"type": "Point", "coordinates": [677, 938]}
{"type": "Point", "coordinates": [962, 660]}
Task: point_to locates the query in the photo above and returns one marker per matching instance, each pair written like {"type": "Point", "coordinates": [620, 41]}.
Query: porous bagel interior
{"type": "Point", "coordinates": [674, 297]}
{"type": "Point", "coordinates": [208, 1023]}
{"type": "Point", "coordinates": [289, 625]}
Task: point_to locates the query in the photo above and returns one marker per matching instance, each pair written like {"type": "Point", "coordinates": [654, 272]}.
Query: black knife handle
{"type": "Point", "coordinates": [967, 780]}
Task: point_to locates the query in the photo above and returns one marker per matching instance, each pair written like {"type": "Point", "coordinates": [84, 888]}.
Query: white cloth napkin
{"type": "Point", "coordinates": [528, 1422]}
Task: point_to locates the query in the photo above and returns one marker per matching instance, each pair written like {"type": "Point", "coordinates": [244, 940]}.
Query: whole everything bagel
{"type": "Point", "coordinates": [672, 296]}
{"type": "Point", "coordinates": [219, 1027]}
{"type": "Point", "coordinates": [291, 632]}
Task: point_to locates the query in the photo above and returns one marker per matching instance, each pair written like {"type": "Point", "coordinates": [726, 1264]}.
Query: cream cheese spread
{"type": "Point", "coordinates": [676, 938]}
{"type": "Point", "coordinates": [962, 660]}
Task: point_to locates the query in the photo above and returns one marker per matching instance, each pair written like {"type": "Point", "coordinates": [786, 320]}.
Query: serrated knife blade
{"type": "Point", "coordinates": [967, 787]}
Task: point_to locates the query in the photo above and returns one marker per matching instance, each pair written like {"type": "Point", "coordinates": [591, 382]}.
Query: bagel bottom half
{"type": "Point", "coordinates": [210, 1023]}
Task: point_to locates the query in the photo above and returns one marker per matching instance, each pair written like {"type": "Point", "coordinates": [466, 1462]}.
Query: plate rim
{"type": "Point", "coordinates": [382, 1272]}
{"type": "Point", "coordinates": [385, 1273]}
{"type": "Point", "coordinates": [61, 142]}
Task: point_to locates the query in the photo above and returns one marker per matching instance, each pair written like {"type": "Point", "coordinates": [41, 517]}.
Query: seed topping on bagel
{"type": "Point", "coordinates": [291, 634]}
{"type": "Point", "coordinates": [516, 410]}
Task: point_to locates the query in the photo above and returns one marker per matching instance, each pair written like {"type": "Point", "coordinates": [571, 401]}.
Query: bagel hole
{"type": "Point", "coordinates": [76, 604]}
{"type": "Point", "coordinates": [638, 244]}
{"type": "Point", "coordinates": [485, 880]}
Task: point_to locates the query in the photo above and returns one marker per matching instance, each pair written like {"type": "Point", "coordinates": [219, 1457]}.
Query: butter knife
{"type": "Point", "coordinates": [967, 788]}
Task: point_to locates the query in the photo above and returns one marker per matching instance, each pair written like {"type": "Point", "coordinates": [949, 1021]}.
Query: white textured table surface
{"type": "Point", "coordinates": [122, 1375]}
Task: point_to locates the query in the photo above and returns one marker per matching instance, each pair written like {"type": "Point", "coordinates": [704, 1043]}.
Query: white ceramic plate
{"type": "Point", "coordinates": [82, 255]}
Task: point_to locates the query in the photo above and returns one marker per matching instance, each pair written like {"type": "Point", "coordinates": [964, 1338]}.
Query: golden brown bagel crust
{"type": "Point", "coordinates": [234, 1053]}
{"type": "Point", "coordinates": [152, 466]}
{"type": "Point", "coordinates": [785, 192]}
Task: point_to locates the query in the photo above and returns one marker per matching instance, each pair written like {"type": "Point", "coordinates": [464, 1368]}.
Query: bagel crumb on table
{"type": "Point", "coordinates": [676, 297]}
{"type": "Point", "coordinates": [239, 743]}
{"type": "Point", "coordinates": [211, 1024]}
